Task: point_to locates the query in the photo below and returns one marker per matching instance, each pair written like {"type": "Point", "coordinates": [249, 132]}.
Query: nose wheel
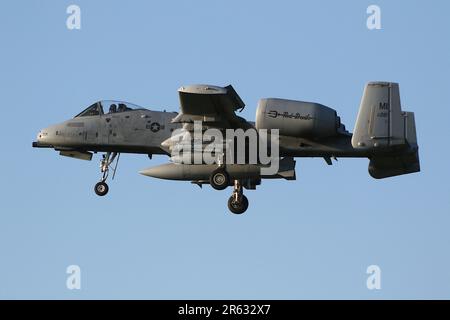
{"type": "Point", "coordinates": [238, 202]}
{"type": "Point", "coordinates": [101, 188]}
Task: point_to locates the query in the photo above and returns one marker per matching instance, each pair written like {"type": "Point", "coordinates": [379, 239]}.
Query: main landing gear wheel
{"type": "Point", "coordinates": [238, 203]}
{"type": "Point", "coordinates": [101, 188]}
{"type": "Point", "coordinates": [238, 206]}
{"type": "Point", "coordinates": [219, 179]}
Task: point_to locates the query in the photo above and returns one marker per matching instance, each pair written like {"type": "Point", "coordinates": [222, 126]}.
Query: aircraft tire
{"type": "Point", "coordinates": [219, 179]}
{"type": "Point", "coordinates": [240, 207]}
{"type": "Point", "coordinates": [101, 189]}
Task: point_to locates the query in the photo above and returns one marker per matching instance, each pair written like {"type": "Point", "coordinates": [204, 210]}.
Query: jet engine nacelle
{"type": "Point", "coordinates": [297, 118]}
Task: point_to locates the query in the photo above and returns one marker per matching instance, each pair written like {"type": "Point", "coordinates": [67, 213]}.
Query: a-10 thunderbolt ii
{"type": "Point", "coordinates": [383, 133]}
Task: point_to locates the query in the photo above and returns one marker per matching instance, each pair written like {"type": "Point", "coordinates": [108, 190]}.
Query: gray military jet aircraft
{"type": "Point", "coordinates": [383, 133]}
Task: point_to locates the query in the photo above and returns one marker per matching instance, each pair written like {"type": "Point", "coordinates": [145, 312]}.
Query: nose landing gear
{"type": "Point", "coordinates": [101, 188]}
{"type": "Point", "coordinates": [238, 202]}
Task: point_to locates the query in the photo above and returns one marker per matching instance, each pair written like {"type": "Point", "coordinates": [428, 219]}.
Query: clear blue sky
{"type": "Point", "coordinates": [310, 238]}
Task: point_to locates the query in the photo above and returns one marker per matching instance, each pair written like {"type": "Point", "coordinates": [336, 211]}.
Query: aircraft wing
{"type": "Point", "coordinates": [214, 106]}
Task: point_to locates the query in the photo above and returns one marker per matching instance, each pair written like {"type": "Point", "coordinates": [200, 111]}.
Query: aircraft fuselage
{"type": "Point", "coordinates": [134, 131]}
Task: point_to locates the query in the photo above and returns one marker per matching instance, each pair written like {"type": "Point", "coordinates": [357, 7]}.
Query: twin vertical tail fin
{"type": "Point", "coordinates": [386, 132]}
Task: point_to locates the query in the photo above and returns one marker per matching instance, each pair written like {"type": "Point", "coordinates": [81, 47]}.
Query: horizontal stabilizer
{"type": "Point", "coordinates": [384, 167]}
{"type": "Point", "coordinates": [287, 168]}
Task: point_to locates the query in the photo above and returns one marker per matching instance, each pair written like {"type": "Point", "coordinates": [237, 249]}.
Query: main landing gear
{"type": "Point", "coordinates": [220, 180]}
{"type": "Point", "coordinates": [238, 202]}
{"type": "Point", "coordinates": [101, 188]}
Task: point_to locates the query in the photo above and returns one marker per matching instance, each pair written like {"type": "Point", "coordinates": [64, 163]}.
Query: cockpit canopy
{"type": "Point", "coordinates": [112, 106]}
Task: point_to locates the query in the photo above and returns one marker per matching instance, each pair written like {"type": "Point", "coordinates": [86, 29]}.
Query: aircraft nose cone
{"type": "Point", "coordinates": [42, 135]}
{"type": "Point", "coordinates": [47, 136]}
{"type": "Point", "coordinates": [38, 141]}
